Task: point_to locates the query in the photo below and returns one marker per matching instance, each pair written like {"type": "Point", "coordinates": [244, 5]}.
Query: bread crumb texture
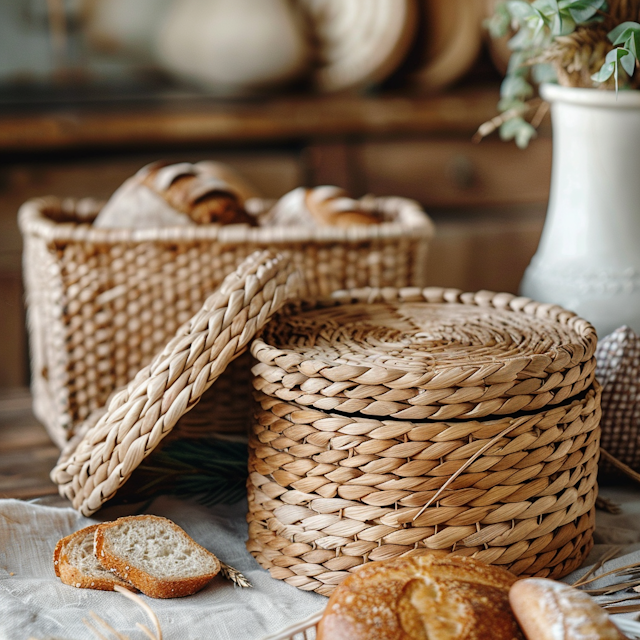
{"type": "Point", "coordinates": [155, 555]}
{"type": "Point", "coordinates": [159, 548]}
{"type": "Point", "coordinates": [76, 565]}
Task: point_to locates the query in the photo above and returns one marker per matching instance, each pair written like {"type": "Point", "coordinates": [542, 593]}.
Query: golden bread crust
{"type": "Point", "coordinates": [333, 206]}
{"type": "Point", "coordinates": [427, 597]}
{"type": "Point", "coordinates": [189, 189]}
{"type": "Point", "coordinates": [550, 610]}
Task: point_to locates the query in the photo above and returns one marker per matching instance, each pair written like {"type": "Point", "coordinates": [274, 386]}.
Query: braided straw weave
{"type": "Point", "coordinates": [328, 491]}
{"type": "Point", "coordinates": [102, 302]}
{"type": "Point", "coordinates": [390, 422]}
{"type": "Point", "coordinates": [141, 415]}
{"type": "Point", "coordinates": [425, 353]}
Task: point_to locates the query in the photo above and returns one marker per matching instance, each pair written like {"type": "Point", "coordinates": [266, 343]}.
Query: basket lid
{"type": "Point", "coordinates": [425, 353]}
{"type": "Point", "coordinates": [142, 414]}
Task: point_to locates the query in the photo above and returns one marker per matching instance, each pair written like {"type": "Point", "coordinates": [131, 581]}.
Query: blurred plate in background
{"type": "Point", "coordinates": [359, 42]}
{"type": "Point", "coordinates": [450, 41]}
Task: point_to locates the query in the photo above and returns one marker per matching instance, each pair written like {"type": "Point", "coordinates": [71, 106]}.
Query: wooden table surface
{"type": "Point", "coordinates": [27, 454]}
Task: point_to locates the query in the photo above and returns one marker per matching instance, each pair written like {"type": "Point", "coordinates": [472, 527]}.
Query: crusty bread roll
{"type": "Point", "coordinates": [550, 610]}
{"type": "Point", "coordinates": [427, 597]}
{"type": "Point", "coordinates": [321, 206]}
{"type": "Point", "coordinates": [163, 194]}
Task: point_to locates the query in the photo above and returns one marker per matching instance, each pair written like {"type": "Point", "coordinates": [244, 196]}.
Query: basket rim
{"type": "Point", "coordinates": [582, 403]}
{"type": "Point", "coordinates": [34, 221]}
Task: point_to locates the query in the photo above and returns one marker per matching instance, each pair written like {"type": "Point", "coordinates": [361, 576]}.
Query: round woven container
{"type": "Point", "coordinates": [328, 492]}
{"type": "Point", "coordinates": [330, 489]}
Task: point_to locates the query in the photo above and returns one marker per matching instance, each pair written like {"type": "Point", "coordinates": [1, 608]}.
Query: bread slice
{"type": "Point", "coordinates": [155, 555]}
{"type": "Point", "coordinates": [75, 563]}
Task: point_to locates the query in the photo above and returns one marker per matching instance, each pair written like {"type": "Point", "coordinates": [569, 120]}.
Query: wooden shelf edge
{"type": "Point", "coordinates": [281, 119]}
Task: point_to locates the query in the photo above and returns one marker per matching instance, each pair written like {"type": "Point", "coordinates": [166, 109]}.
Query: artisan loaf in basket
{"type": "Point", "coordinates": [102, 302]}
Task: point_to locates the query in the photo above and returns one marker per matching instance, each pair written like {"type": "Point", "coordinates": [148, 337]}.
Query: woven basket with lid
{"type": "Point", "coordinates": [396, 421]}
{"type": "Point", "coordinates": [102, 302]}
{"type": "Point", "coordinates": [158, 402]}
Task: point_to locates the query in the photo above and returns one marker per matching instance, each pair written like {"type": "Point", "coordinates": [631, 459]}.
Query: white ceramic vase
{"type": "Point", "coordinates": [588, 259]}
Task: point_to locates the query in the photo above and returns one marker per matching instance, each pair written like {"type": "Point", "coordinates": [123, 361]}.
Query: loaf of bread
{"type": "Point", "coordinates": [426, 597]}
{"type": "Point", "coordinates": [75, 563]}
{"type": "Point", "coordinates": [155, 555]}
{"type": "Point", "coordinates": [163, 194]}
{"type": "Point", "coordinates": [550, 610]}
{"type": "Point", "coordinates": [321, 206]}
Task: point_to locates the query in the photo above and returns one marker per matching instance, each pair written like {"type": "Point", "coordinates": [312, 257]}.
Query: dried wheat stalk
{"type": "Point", "coordinates": [596, 567]}
{"type": "Point", "coordinates": [621, 466]}
{"type": "Point", "coordinates": [234, 575]}
{"type": "Point", "coordinates": [142, 604]}
{"type": "Point", "coordinates": [604, 504]}
{"type": "Point", "coordinates": [630, 575]}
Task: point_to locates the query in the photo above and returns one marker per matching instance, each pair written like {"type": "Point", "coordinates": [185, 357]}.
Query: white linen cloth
{"type": "Point", "coordinates": [35, 604]}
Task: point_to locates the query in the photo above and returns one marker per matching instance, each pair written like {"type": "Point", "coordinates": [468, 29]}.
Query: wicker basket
{"type": "Point", "coordinates": [102, 302]}
{"type": "Point", "coordinates": [331, 490]}
{"type": "Point", "coordinates": [157, 403]}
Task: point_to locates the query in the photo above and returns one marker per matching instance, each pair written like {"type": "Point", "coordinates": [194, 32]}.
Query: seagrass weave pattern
{"type": "Point", "coordinates": [102, 302]}
{"type": "Point", "coordinates": [618, 371]}
{"type": "Point", "coordinates": [328, 492]}
{"type": "Point", "coordinates": [431, 353]}
{"type": "Point", "coordinates": [143, 413]}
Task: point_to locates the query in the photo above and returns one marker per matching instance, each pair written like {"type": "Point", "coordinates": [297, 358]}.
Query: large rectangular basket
{"type": "Point", "coordinates": [102, 302]}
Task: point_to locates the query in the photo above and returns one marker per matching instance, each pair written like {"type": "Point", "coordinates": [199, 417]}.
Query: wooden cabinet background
{"type": "Point", "coordinates": [488, 200]}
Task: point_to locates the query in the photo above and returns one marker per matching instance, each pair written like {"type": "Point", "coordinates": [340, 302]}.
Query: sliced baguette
{"type": "Point", "coordinates": [155, 555]}
{"type": "Point", "coordinates": [75, 563]}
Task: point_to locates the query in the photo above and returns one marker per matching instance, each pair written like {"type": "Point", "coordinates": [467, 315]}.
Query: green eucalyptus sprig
{"type": "Point", "coordinates": [539, 26]}
{"type": "Point", "coordinates": [626, 40]}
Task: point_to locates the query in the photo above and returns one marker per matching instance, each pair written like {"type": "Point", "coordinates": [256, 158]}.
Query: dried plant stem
{"type": "Point", "coordinates": [469, 462]}
{"type": "Point", "coordinates": [607, 505]}
{"type": "Point", "coordinates": [106, 625]}
{"type": "Point", "coordinates": [625, 599]}
{"type": "Point", "coordinates": [634, 565]}
{"type": "Point", "coordinates": [95, 630]}
{"type": "Point", "coordinates": [605, 558]}
{"type": "Point", "coordinates": [145, 607]}
{"type": "Point", "coordinates": [621, 466]}
{"type": "Point", "coordinates": [612, 588]}
{"type": "Point", "coordinates": [632, 608]}
{"type": "Point", "coordinates": [539, 115]}
{"type": "Point", "coordinates": [487, 128]}
{"type": "Point", "coordinates": [146, 631]}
